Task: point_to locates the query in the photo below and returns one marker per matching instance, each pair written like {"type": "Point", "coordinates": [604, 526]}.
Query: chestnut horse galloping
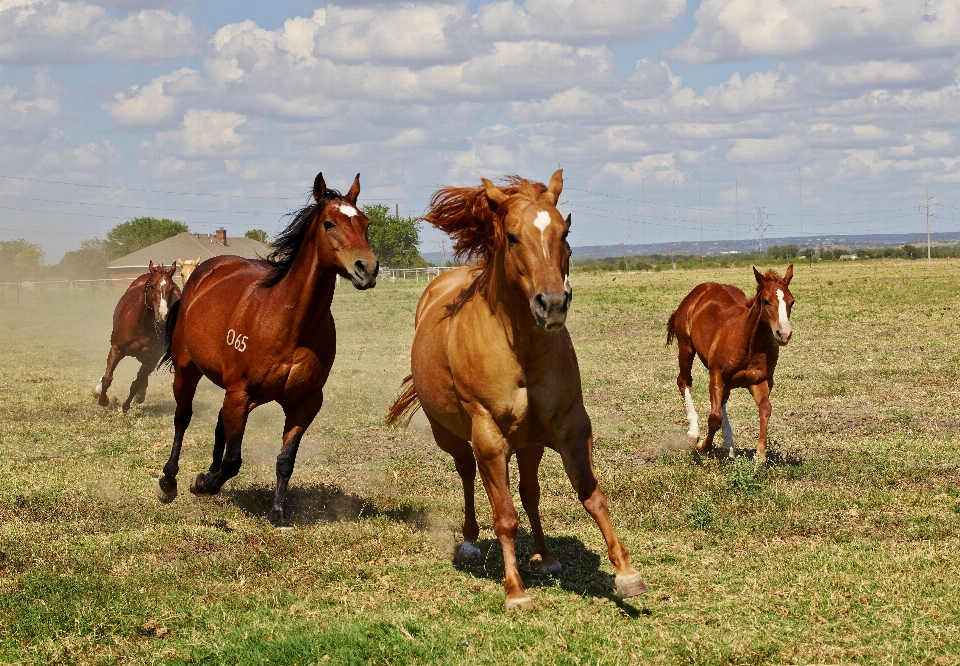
{"type": "Point", "coordinates": [263, 331]}
{"type": "Point", "coordinates": [739, 341]}
{"type": "Point", "coordinates": [138, 322]}
{"type": "Point", "coordinates": [493, 365]}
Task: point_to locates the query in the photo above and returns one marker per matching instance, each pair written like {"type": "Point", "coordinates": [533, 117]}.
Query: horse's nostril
{"type": "Point", "coordinates": [541, 302]}
{"type": "Point", "coordinates": [360, 265]}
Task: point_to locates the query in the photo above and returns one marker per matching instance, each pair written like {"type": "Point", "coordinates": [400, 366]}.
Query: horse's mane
{"type": "Point", "coordinates": [465, 214]}
{"type": "Point", "coordinates": [769, 275]}
{"type": "Point", "coordinates": [287, 244]}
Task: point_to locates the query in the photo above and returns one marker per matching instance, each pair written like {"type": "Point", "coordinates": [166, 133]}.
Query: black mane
{"type": "Point", "coordinates": [287, 244]}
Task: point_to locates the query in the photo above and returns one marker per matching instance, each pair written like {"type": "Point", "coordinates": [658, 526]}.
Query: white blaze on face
{"type": "Point", "coordinates": [694, 430]}
{"type": "Point", "coordinates": [541, 223]}
{"type": "Point", "coordinates": [348, 210]}
{"type": "Point", "coordinates": [784, 320]}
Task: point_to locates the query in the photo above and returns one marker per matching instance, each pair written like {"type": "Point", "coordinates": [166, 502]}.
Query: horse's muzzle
{"type": "Point", "coordinates": [362, 275]}
{"type": "Point", "coordinates": [550, 309]}
{"type": "Point", "coordinates": [783, 338]}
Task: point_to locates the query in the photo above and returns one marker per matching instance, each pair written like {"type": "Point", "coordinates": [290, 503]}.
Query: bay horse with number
{"type": "Point", "coordinates": [494, 368]}
{"type": "Point", "coordinates": [262, 331]}
{"type": "Point", "coordinates": [138, 330]}
{"type": "Point", "coordinates": [739, 341]}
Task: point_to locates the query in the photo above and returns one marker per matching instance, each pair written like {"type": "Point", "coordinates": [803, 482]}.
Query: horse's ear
{"type": "Point", "coordinates": [788, 275]}
{"type": "Point", "coordinates": [197, 261]}
{"type": "Point", "coordinates": [760, 279]}
{"type": "Point", "coordinates": [569, 219]}
{"type": "Point", "coordinates": [180, 261]}
{"type": "Point", "coordinates": [152, 269]}
{"type": "Point", "coordinates": [494, 194]}
{"type": "Point", "coordinates": [173, 268]}
{"type": "Point", "coordinates": [354, 191]}
{"type": "Point", "coordinates": [556, 186]}
{"type": "Point", "coordinates": [319, 188]}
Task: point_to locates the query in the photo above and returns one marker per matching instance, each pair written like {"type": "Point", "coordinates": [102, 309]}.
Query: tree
{"type": "Point", "coordinates": [87, 263]}
{"type": "Point", "coordinates": [394, 239]}
{"type": "Point", "coordinates": [138, 233]}
{"type": "Point", "coordinates": [20, 260]}
{"type": "Point", "coordinates": [257, 235]}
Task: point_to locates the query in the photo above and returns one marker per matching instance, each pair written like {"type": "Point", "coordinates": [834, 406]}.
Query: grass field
{"type": "Point", "coordinates": [843, 550]}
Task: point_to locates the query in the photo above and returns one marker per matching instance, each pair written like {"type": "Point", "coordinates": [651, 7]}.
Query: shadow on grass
{"type": "Point", "coordinates": [581, 572]}
{"type": "Point", "coordinates": [775, 457]}
{"type": "Point", "coordinates": [320, 503]}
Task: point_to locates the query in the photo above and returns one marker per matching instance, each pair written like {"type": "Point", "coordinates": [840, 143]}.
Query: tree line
{"type": "Point", "coordinates": [394, 240]}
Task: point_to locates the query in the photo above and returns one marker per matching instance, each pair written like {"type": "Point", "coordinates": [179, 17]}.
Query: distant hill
{"type": "Point", "coordinates": [714, 247]}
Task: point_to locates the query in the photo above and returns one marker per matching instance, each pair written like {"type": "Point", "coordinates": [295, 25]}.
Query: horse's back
{"type": "Point", "coordinates": [705, 309]}
{"type": "Point", "coordinates": [127, 313]}
{"type": "Point", "coordinates": [443, 290]}
{"type": "Point", "coordinates": [226, 266]}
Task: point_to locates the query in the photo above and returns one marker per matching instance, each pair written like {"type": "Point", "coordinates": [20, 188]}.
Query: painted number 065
{"type": "Point", "coordinates": [237, 341]}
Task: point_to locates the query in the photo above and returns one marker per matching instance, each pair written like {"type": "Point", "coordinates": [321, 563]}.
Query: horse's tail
{"type": "Point", "coordinates": [671, 328]}
{"type": "Point", "coordinates": [406, 404]}
{"type": "Point", "coordinates": [166, 361]}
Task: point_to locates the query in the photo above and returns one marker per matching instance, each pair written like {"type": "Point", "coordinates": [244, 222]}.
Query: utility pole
{"type": "Point", "coordinates": [800, 177]}
{"type": "Point", "coordinates": [736, 205]}
{"type": "Point", "coordinates": [761, 227]}
{"type": "Point", "coordinates": [701, 222]}
{"type": "Point", "coordinates": [396, 210]}
{"type": "Point", "coordinates": [928, 224]}
{"type": "Point", "coordinates": [673, 232]}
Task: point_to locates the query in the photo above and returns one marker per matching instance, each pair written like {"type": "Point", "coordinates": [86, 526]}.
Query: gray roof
{"type": "Point", "coordinates": [190, 246]}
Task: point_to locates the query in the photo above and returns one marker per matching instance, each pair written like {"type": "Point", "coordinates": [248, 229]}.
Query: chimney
{"type": "Point", "coordinates": [222, 237]}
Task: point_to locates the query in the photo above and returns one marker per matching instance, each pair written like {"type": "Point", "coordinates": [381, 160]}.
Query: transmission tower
{"type": "Point", "coordinates": [761, 225]}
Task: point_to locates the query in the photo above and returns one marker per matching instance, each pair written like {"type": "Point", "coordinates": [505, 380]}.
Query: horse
{"type": "Point", "coordinates": [494, 368]}
{"type": "Point", "coordinates": [138, 322]}
{"type": "Point", "coordinates": [739, 341]}
{"type": "Point", "coordinates": [262, 330]}
{"type": "Point", "coordinates": [186, 268]}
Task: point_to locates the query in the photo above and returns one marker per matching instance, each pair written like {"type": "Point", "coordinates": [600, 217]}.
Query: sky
{"type": "Point", "coordinates": [672, 119]}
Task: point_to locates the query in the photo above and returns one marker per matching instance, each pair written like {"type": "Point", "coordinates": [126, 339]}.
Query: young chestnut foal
{"type": "Point", "coordinates": [738, 340]}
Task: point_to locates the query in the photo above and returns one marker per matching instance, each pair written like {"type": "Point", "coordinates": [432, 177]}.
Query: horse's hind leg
{"type": "Point", "coordinates": [727, 428]}
{"type": "Point", "coordinates": [466, 464]}
{"type": "Point", "coordinates": [185, 382]}
{"type": "Point", "coordinates": [684, 382]}
{"type": "Point", "coordinates": [528, 464]}
{"type": "Point", "coordinates": [236, 408]}
{"type": "Point", "coordinates": [297, 422]}
{"type": "Point", "coordinates": [718, 395]}
{"type": "Point", "coordinates": [138, 389]}
{"type": "Point", "coordinates": [100, 391]}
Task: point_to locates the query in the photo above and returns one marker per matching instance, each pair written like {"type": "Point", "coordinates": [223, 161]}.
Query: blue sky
{"type": "Point", "coordinates": [668, 117]}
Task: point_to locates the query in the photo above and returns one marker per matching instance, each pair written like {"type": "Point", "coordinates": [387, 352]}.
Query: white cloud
{"type": "Point", "coordinates": [821, 30]}
{"type": "Point", "coordinates": [205, 133]}
{"type": "Point", "coordinates": [156, 103]}
{"type": "Point", "coordinates": [579, 21]}
{"type": "Point", "coordinates": [44, 31]}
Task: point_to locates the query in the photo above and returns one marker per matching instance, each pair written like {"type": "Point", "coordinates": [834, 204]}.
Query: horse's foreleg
{"type": "Point", "coordinates": [574, 442]}
{"type": "Point", "coordinates": [715, 420]}
{"type": "Point", "coordinates": [492, 452]}
{"type": "Point", "coordinates": [297, 422]}
{"type": "Point", "coordinates": [463, 458]}
{"type": "Point", "coordinates": [100, 391]}
{"type": "Point", "coordinates": [234, 414]}
{"type": "Point", "coordinates": [528, 464]}
{"type": "Point", "coordinates": [185, 382]}
{"type": "Point", "coordinates": [138, 388]}
{"type": "Point", "coordinates": [761, 395]}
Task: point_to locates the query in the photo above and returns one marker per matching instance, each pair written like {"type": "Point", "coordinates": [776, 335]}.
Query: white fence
{"type": "Point", "coordinates": [12, 290]}
{"type": "Point", "coordinates": [417, 274]}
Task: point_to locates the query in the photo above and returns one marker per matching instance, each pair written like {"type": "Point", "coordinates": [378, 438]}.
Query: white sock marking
{"type": "Point", "coordinates": [349, 211]}
{"type": "Point", "coordinates": [99, 388]}
{"type": "Point", "coordinates": [694, 430]}
{"type": "Point", "coordinates": [727, 429]}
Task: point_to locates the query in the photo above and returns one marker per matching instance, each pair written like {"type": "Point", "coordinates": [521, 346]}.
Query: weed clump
{"type": "Point", "coordinates": [700, 514]}
{"type": "Point", "coordinates": [745, 477]}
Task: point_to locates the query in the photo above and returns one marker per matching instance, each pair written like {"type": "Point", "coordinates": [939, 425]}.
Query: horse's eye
{"type": "Point", "coordinates": [513, 240]}
{"type": "Point", "coordinates": [328, 225]}
{"type": "Point", "coordinates": [766, 302]}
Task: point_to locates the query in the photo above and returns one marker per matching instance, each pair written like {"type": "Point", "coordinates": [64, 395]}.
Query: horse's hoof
{"type": "Point", "coordinates": [277, 520]}
{"type": "Point", "coordinates": [518, 602]}
{"type": "Point", "coordinates": [467, 553]}
{"type": "Point", "coordinates": [198, 483]}
{"type": "Point", "coordinates": [167, 489]}
{"type": "Point", "coordinates": [550, 568]}
{"type": "Point", "coordinates": [630, 586]}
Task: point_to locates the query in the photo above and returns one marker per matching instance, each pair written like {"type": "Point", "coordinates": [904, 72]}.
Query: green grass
{"type": "Point", "coordinates": [842, 550]}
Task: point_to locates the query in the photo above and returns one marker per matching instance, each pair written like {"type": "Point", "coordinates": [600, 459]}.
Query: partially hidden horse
{"type": "Point", "coordinates": [138, 330]}
{"type": "Point", "coordinates": [262, 331]}
{"type": "Point", "coordinates": [494, 368]}
{"type": "Point", "coordinates": [738, 340]}
{"type": "Point", "coordinates": [186, 268]}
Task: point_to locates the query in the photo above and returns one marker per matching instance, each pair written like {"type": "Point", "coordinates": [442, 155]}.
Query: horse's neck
{"type": "Point", "coordinates": [752, 330]}
{"type": "Point", "coordinates": [510, 306]}
{"type": "Point", "coordinates": [308, 286]}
